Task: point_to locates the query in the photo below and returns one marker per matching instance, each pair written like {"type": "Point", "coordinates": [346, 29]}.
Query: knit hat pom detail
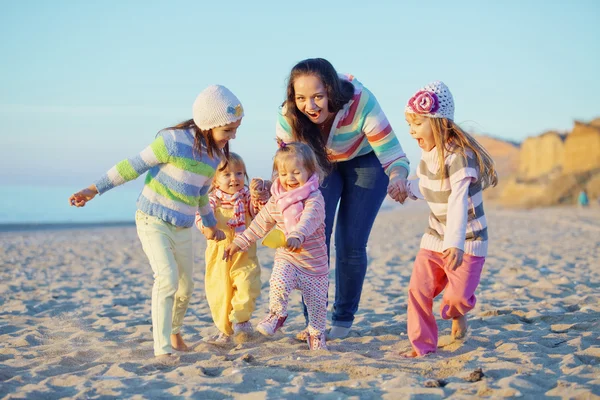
{"type": "Point", "coordinates": [216, 106]}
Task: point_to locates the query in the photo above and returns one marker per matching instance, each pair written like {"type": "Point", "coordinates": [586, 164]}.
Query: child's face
{"type": "Point", "coordinates": [311, 98]}
{"type": "Point", "coordinates": [292, 173]}
{"type": "Point", "coordinates": [420, 130]}
{"type": "Point", "coordinates": [231, 179]}
{"type": "Point", "coordinates": [223, 134]}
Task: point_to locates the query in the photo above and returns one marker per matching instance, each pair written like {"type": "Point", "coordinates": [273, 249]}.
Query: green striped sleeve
{"type": "Point", "coordinates": [126, 171]}
{"type": "Point", "coordinates": [160, 149]}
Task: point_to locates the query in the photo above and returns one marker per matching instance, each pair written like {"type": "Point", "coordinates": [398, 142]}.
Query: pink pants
{"type": "Point", "coordinates": [429, 278]}
{"type": "Point", "coordinates": [284, 279]}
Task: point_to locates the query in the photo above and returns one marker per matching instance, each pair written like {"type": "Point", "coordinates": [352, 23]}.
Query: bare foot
{"type": "Point", "coordinates": [410, 354]}
{"type": "Point", "coordinates": [178, 344]}
{"type": "Point", "coordinates": [459, 327]}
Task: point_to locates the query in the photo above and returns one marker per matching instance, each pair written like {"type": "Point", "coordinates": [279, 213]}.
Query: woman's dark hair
{"type": "Point", "coordinates": [339, 92]}
{"type": "Point", "coordinates": [205, 137]}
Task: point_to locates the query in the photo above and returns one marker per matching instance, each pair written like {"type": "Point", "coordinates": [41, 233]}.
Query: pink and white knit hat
{"type": "Point", "coordinates": [216, 106]}
{"type": "Point", "coordinates": [434, 100]}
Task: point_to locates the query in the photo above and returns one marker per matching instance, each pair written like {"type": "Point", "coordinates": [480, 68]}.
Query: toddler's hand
{"type": "Point", "coordinates": [230, 251]}
{"type": "Point", "coordinates": [260, 189]}
{"type": "Point", "coordinates": [453, 257]}
{"type": "Point", "coordinates": [293, 244]}
{"type": "Point", "coordinates": [83, 196]}
{"type": "Point", "coordinates": [212, 233]}
{"type": "Point", "coordinates": [257, 185]}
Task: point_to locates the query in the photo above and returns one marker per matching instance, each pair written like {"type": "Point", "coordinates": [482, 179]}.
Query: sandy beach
{"type": "Point", "coordinates": [75, 321]}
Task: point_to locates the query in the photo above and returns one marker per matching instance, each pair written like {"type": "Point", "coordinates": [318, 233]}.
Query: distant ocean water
{"type": "Point", "coordinates": [35, 207]}
{"type": "Point", "coordinates": [49, 205]}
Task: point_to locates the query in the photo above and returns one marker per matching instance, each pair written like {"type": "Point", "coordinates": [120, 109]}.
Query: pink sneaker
{"type": "Point", "coordinates": [316, 342]}
{"type": "Point", "coordinates": [270, 324]}
{"type": "Point", "coordinates": [242, 327]}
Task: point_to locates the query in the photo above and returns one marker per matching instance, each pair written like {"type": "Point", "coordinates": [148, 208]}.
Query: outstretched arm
{"type": "Point", "coordinates": [258, 228]}
{"type": "Point", "coordinates": [124, 171]}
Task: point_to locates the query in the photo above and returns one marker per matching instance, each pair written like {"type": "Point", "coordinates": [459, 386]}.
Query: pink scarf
{"type": "Point", "coordinates": [238, 202]}
{"type": "Point", "coordinates": [291, 203]}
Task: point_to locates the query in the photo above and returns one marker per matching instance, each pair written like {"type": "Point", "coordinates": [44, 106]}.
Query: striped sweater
{"type": "Point", "coordinates": [310, 230]}
{"type": "Point", "coordinates": [177, 181]}
{"type": "Point", "coordinates": [358, 128]}
{"type": "Point", "coordinates": [457, 218]}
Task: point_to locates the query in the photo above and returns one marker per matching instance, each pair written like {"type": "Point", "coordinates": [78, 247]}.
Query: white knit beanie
{"type": "Point", "coordinates": [216, 106]}
{"type": "Point", "coordinates": [434, 100]}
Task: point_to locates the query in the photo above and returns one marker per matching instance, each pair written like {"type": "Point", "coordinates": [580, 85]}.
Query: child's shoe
{"type": "Point", "coordinates": [242, 327]}
{"type": "Point", "coordinates": [220, 339]}
{"type": "Point", "coordinates": [316, 342]}
{"type": "Point", "coordinates": [270, 324]}
{"type": "Point", "coordinates": [302, 335]}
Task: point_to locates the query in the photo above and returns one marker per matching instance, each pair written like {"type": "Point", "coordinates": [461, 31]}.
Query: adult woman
{"type": "Point", "coordinates": [354, 142]}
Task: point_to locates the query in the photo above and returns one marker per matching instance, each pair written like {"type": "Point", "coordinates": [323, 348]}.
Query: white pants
{"type": "Point", "coordinates": [171, 255]}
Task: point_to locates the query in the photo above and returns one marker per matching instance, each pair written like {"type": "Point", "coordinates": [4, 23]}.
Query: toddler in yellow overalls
{"type": "Point", "coordinates": [232, 286]}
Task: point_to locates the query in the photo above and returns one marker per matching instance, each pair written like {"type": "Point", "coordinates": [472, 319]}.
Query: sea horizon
{"type": "Point", "coordinates": [38, 205]}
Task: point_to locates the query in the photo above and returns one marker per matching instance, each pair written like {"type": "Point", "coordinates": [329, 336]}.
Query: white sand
{"type": "Point", "coordinates": [75, 321]}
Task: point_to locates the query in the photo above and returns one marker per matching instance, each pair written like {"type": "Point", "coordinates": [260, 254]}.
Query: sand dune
{"type": "Point", "coordinates": [75, 321]}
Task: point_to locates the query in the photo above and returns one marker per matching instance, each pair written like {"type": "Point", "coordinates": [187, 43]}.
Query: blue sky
{"type": "Point", "coordinates": [86, 84]}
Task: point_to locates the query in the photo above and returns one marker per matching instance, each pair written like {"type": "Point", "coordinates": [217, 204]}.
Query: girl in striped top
{"type": "Point", "coordinates": [180, 162]}
{"type": "Point", "coordinates": [297, 209]}
{"type": "Point", "coordinates": [453, 172]}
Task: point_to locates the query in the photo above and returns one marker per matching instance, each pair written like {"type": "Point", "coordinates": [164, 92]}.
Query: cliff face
{"type": "Point", "coordinates": [506, 159]}
{"type": "Point", "coordinates": [582, 149]}
{"type": "Point", "coordinates": [553, 169]}
{"type": "Point", "coordinates": [541, 155]}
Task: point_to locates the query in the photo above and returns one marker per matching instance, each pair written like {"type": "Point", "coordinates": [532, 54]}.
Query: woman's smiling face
{"type": "Point", "coordinates": [311, 98]}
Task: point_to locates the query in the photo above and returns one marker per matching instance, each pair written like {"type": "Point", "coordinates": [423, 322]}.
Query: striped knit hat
{"type": "Point", "coordinates": [434, 100]}
{"type": "Point", "coordinates": [216, 106]}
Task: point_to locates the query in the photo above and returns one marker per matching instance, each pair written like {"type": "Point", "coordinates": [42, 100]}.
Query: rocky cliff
{"type": "Point", "coordinates": [553, 168]}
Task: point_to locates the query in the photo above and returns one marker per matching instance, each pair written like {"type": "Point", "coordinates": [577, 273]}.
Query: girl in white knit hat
{"type": "Point", "coordinates": [180, 162]}
{"type": "Point", "coordinates": [453, 172]}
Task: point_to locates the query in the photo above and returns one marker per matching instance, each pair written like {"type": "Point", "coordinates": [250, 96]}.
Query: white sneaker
{"type": "Point", "coordinates": [242, 327]}
{"type": "Point", "coordinates": [220, 339]}
{"type": "Point", "coordinates": [338, 332]}
{"type": "Point", "coordinates": [270, 324]}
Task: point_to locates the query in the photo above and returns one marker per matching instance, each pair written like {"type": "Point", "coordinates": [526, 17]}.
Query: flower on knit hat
{"type": "Point", "coordinates": [424, 102]}
{"type": "Point", "coordinates": [236, 111]}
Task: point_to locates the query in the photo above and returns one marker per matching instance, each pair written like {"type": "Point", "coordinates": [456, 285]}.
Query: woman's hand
{"type": "Point", "coordinates": [398, 189]}
{"type": "Point", "coordinates": [230, 251]}
{"type": "Point", "coordinates": [212, 233]}
{"type": "Point", "coordinates": [293, 244]}
{"type": "Point", "coordinates": [453, 257]}
{"type": "Point", "coordinates": [398, 186]}
{"type": "Point", "coordinates": [80, 198]}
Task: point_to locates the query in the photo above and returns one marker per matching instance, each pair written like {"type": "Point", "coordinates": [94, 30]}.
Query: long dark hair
{"type": "Point", "coordinates": [339, 92]}
{"type": "Point", "coordinates": [205, 137]}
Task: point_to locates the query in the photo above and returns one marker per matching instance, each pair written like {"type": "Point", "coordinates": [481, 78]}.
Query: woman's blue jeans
{"type": "Point", "coordinates": [359, 187]}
